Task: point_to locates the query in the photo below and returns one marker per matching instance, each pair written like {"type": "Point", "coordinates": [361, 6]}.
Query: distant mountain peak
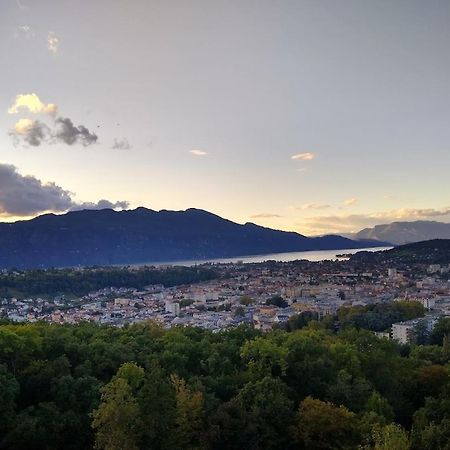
{"type": "Point", "coordinates": [406, 232]}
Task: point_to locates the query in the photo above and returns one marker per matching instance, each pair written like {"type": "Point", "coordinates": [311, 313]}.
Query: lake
{"type": "Point", "coordinates": [313, 255]}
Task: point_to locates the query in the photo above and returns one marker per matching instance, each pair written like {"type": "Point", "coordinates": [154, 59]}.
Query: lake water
{"type": "Point", "coordinates": [313, 255]}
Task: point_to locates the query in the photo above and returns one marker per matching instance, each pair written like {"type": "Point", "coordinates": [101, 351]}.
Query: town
{"type": "Point", "coordinates": [264, 295]}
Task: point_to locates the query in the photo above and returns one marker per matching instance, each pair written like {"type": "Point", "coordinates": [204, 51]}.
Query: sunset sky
{"type": "Point", "coordinates": [310, 115]}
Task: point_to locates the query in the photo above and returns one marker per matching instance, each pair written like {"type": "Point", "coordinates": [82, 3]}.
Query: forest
{"type": "Point", "coordinates": [78, 282]}
{"type": "Point", "coordinates": [145, 387]}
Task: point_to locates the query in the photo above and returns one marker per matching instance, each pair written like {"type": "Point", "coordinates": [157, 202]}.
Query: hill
{"type": "Point", "coordinates": [106, 237]}
{"type": "Point", "coordinates": [435, 251]}
{"type": "Point", "coordinates": [406, 232]}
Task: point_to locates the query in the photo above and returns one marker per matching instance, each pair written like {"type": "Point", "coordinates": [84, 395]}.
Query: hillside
{"type": "Point", "coordinates": [106, 237]}
{"type": "Point", "coordinates": [436, 251]}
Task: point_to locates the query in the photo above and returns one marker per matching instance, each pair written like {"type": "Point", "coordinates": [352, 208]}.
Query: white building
{"type": "Point", "coordinates": [403, 332]}
{"type": "Point", "coordinates": [172, 307]}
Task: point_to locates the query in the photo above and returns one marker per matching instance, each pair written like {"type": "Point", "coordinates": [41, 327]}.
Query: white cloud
{"type": "Point", "coordinates": [316, 206]}
{"type": "Point", "coordinates": [24, 31]}
{"type": "Point", "coordinates": [198, 152]}
{"type": "Point", "coordinates": [33, 104]}
{"type": "Point", "coordinates": [265, 216]}
{"type": "Point", "coordinates": [52, 42]}
{"type": "Point", "coordinates": [350, 202]}
{"type": "Point", "coordinates": [308, 156]}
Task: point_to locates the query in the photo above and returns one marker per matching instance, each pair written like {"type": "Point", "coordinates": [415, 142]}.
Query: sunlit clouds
{"type": "Point", "coordinates": [57, 129]}
{"type": "Point", "coordinates": [350, 202]}
{"type": "Point", "coordinates": [308, 156]}
{"type": "Point", "coordinates": [198, 152]}
{"type": "Point", "coordinates": [33, 132]}
{"type": "Point", "coordinates": [314, 206]}
{"type": "Point", "coordinates": [265, 216]}
{"type": "Point", "coordinates": [33, 104]}
{"type": "Point", "coordinates": [52, 42]}
{"type": "Point", "coordinates": [352, 223]}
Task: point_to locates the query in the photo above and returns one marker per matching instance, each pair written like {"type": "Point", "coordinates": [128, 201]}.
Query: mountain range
{"type": "Point", "coordinates": [405, 232]}
{"type": "Point", "coordinates": [106, 237]}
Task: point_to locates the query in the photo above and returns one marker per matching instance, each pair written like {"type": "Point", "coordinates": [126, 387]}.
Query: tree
{"type": "Point", "coordinates": [9, 389]}
{"type": "Point", "coordinates": [156, 400]}
{"type": "Point", "coordinates": [380, 406]}
{"type": "Point", "coordinates": [391, 437]}
{"type": "Point", "coordinates": [441, 331]}
{"type": "Point", "coordinates": [264, 357]}
{"type": "Point", "coordinates": [188, 431]}
{"type": "Point", "coordinates": [278, 301]}
{"type": "Point", "coordinates": [117, 420]}
{"type": "Point", "coordinates": [245, 300]}
{"type": "Point", "coordinates": [268, 412]}
{"type": "Point", "coordinates": [324, 426]}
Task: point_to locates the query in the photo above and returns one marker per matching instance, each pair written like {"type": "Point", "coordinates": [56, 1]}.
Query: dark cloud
{"type": "Point", "coordinates": [31, 132]}
{"type": "Point", "coordinates": [27, 196]}
{"type": "Point", "coordinates": [35, 133]}
{"type": "Point", "coordinates": [67, 132]}
{"type": "Point", "coordinates": [121, 144]}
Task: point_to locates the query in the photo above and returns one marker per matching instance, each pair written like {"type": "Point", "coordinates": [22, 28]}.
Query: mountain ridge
{"type": "Point", "coordinates": [108, 237]}
{"type": "Point", "coordinates": [405, 232]}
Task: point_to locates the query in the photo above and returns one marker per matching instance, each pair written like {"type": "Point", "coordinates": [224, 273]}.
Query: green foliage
{"type": "Point", "coordinates": [278, 301]}
{"type": "Point", "coordinates": [379, 316]}
{"type": "Point", "coordinates": [75, 282]}
{"type": "Point", "coordinates": [441, 332]}
{"type": "Point", "coordinates": [145, 387]}
{"type": "Point", "coordinates": [322, 426]}
{"type": "Point", "coordinates": [391, 437]}
{"type": "Point", "coordinates": [245, 300]}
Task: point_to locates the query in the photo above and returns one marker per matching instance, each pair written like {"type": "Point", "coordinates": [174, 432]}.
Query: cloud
{"type": "Point", "coordinates": [101, 204]}
{"type": "Point", "coordinates": [351, 223]}
{"type": "Point", "coordinates": [70, 134]}
{"type": "Point", "coordinates": [350, 202]}
{"type": "Point", "coordinates": [33, 104]}
{"type": "Point", "coordinates": [24, 31]}
{"type": "Point", "coordinates": [33, 132]}
{"type": "Point", "coordinates": [265, 216]}
{"type": "Point", "coordinates": [316, 206]}
{"type": "Point", "coordinates": [304, 156]}
{"type": "Point", "coordinates": [24, 196]}
{"type": "Point", "coordinates": [52, 42]}
{"type": "Point", "coordinates": [198, 152]}
{"type": "Point", "coordinates": [121, 144]}
{"type": "Point", "coordinates": [21, 6]}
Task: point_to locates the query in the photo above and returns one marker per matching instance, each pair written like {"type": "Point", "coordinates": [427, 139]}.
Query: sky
{"type": "Point", "coordinates": [316, 116]}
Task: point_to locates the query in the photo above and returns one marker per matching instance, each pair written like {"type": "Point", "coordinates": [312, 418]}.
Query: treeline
{"type": "Point", "coordinates": [73, 282]}
{"type": "Point", "coordinates": [144, 387]}
{"type": "Point", "coordinates": [379, 316]}
{"type": "Point", "coordinates": [374, 317]}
